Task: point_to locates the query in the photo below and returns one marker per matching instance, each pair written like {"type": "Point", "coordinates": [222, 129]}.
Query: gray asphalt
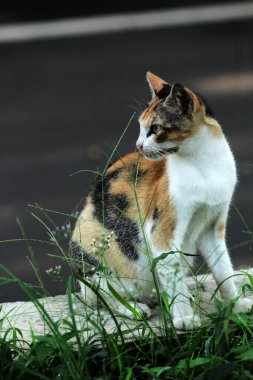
{"type": "Point", "coordinates": [60, 98]}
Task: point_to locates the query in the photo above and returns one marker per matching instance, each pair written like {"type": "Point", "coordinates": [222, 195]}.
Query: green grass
{"type": "Point", "coordinates": [220, 349]}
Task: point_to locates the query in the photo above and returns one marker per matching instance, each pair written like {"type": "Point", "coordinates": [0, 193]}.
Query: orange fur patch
{"type": "Point", "coordinates": [221, 230]}
{"type": "Point", "coordinates": [147, 113]}
{"type": "Point", "coordinates": [214, 127]}
{"type": "Point", "coordinates": [195, 99]}
{"type": "Point", "coordinates": [155, 82]}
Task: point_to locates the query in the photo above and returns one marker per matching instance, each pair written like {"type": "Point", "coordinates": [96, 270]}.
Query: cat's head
{"type": "Point", "coordinates": [173, 115]}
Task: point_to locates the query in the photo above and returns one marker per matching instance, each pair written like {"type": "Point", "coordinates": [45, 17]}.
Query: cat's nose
{"type": "Point", "coordinates": [139, 147]}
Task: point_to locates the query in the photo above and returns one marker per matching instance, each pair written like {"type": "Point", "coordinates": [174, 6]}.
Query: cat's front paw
{"type": "Point", "coordinates": [141, 308]}
{"type": "Point", "coordinates": [187, 322]}
{"type": "Point", "coordinates": [243, 305]}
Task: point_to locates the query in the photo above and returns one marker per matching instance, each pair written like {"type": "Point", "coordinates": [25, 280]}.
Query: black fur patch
{"type": "Point", "coordinates": [110, 211]}
{"type": "Point", "coordinates": [162, 136]}
{"type": "Point", "coordinates": [83, 263]}
{"type": "Point", "coordinates": [209, 111]}
{"type": "Point", "coordinates": [127, 236]}
{"type": "Point", "coordinates": [164, 92]}
{"type": "Point", "coordinates": [100, 193]}
{"type": "Point", "coordinates": [174, 119]}
{"type": "Point", "coordinates": [155, 219]}
{"type": "Point", "coordinates": [186, 102]}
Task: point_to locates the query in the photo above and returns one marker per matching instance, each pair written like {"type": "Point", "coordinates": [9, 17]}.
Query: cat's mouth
{"type": "Point", "coordinates": [171, 150]}
{"type": "Point", "coordinates": [158, 154]}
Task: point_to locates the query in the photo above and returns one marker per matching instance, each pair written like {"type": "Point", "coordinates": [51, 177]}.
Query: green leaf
{"type": "Point", "coordinates": [182, 364]}
{"type": "Point", "coordinates": [129, 373]}
{"type": "Point", "coordinates": [165, 301]}
{"type": "Point", "coordinates": [49, 340]}
{"type": "Point", "coordinates": [166, 254]}
{"type": "Point", "coordinates": [160, 370]}
{"type": "Point", "coordinates": [250, 278]}
{"type": "Point", "coordinates": [161, 257]}
{"type": "Point", "coordinates": [43, 352]}
{"type": "Point", "coordinates": [156, 372]}
{"type": "Point", "coordinates": [248, 355]}
{"type": "Point", "coordinates": [198, 361]}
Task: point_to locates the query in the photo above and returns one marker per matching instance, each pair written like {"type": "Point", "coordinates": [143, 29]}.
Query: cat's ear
{"type": "Point", "coordinates": [157, 85]}
{"type": "Point", "coordinates": [180, 100]}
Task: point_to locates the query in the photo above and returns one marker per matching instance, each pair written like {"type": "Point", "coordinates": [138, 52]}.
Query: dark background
{"type": "Point", "coordinates": [31, 10]}
{"type": "Point", "coordinates": [64, 103]}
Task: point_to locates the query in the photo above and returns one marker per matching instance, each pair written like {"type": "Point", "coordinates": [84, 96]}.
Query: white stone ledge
{"type": "Point", "coordinates": [26, 317]}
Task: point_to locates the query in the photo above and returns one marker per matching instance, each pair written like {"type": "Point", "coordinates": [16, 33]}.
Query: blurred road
{"type": "Point", "coordinates": [64, 103]}
{"type": "Point", "coordinates": [30, 10]}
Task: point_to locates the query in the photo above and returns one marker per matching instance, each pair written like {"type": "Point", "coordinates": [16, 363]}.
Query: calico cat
{"type": "Point", "coordinates": [170, 198]}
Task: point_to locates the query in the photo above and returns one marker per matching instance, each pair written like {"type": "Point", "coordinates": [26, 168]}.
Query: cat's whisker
{"type": "Point", "coordinates": [140, 106]}
{"type": "Point", "coordinates": [145, 102]}
{"type": "Point", "coordinates": [135, 109]}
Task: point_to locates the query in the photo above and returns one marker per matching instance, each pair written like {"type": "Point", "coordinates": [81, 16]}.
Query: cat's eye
{"type": "Point", "coordinates": [154, 129]}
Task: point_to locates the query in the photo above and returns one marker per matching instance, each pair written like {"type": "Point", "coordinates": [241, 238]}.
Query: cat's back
{"type": "Point", "coordinates": [137, 170]}
{"type": "Point", "coordinates": [131, 185]}
{"type": "Point", "coordinates": [132, 190]}
{"type": "Point", "coordinates": [128, 191]}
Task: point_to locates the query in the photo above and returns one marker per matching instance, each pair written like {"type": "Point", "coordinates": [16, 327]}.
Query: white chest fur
{"type": "Point", "coordinates": [201, 177]}
{"type": "Point", "coordinates": [203, 172]}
